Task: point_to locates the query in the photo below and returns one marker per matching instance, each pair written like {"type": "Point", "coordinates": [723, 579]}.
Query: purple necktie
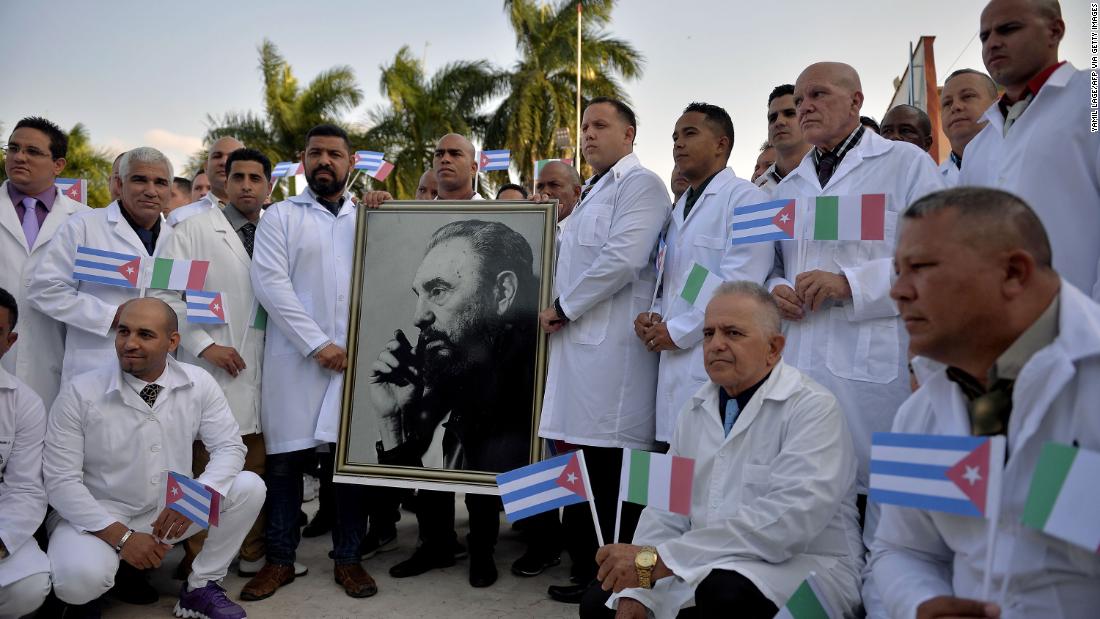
{"type": "Point", "coordinates": [30, 220]}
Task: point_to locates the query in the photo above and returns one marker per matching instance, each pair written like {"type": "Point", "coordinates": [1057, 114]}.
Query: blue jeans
{"type": "Point", "coordinates": [284, 502]}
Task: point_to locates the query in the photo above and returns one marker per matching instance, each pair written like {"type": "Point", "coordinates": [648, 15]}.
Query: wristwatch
{"type": "Point", "coordinates": [644, 562]}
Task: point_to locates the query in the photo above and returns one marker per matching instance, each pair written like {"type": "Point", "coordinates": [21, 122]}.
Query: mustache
{"type": "Point", "coordinates": [429, 335]}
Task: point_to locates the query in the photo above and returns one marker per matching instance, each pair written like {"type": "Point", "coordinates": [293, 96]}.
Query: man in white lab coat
{"type": "Point", "coordinates": [785, 135]}
{"type": "Point", "coordinates": [1017, 353]}
{"type": "Point", "coordinates": [1037, 144]}
{"type": "Point", "coordinates": [601, 382]}
{"type": "Point", "coordinates": [131, 226]}
{"type": "Point", "coordinates": [698, 232]}
{"type": "Point", "coordinates": [773, 487]}
{"type": "Point", "coordinates": [232, 352]}
{"type": "Point", "coordinates": [113, 435]}
{"type": "Point", "coordinates": [216, 172]}
{"type": "Point", "coordinates": [24, 568]}
{"type": "Point", "coordinates": [35, 156]}
{"type": "Point", "coordinates": [301, 274]}
{"type": "Point", "coordinates": [966, 95]}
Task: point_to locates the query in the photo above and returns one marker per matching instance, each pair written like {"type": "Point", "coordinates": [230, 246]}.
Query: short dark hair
{"type": "Point", "coordinates": [182, 184]}
{"type": "Point", "coordinates": [59, 142]}
{"type": "Point", "coordinates": [500, 249]}
{"type": "Point", "coordinates": [328, 130]}
{"type": "Point", "coordinates": [197, 175]}
{"type": "Point", "coordinates": [717, 117]}
{"type": "Point", "coordinates": [990, 85]}
{"type": "Point", "coordinates": [7, 301]}
{"type": "Point", "coordinates": [781, 90]}
{"type": "Point", "coordinates": [623, 109]}
{"type": "Point", "coordinates": [248, 154]}
{"type": "Point", "coordinates": [519, 188]}
{"type": "Point", "coordinates": [923, 122]}
{"type": "Point", "coordinates": [870, 123]}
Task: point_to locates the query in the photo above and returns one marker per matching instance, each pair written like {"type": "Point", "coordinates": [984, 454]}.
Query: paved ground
{"type": "Point", "coordinates": [440, 593]}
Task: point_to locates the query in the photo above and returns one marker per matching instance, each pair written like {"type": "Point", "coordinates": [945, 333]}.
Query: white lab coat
{"type": "Point", "coordinates": [856, 349]}
{"type": "Point", "coordinates": [178, 215]}
{"type": "Point", "coordinates": [949, 173]}
{"type": "Point", "coordinates": [22, 495]}
{"type": "Point", "coordinates": [87, 308]}
{"type": "Point", "coordinates": [766, 181]}
{"type": "Point", "coordinates": [1052, 161]}
{"type": "Point", "coordinates": [209, 236]}
{"type": "Point", "coordinates": [108, 453]}
{"type": "Point", "coordinates": [772, 501]}
{"type": "Point", "coordinates": [919, 554]}
{"type": "Point", "coordinates": [705, 237]}
{"type": "Point", "coordinates": [601, 381]}
{"type": "Point", "coordinates": [36, 357]}
{"type": "Point", "coordinates": [301, 273]}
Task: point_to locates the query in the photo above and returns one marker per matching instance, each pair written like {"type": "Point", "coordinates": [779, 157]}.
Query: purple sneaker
{"type": "Point", "coordinates": [208, 602]}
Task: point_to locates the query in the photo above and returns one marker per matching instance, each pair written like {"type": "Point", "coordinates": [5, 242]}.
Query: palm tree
{"type": "Point", "coordinates": [84, 160]}
{"type": "Point", "coordinates": [289, 109]}
{"type": "Point", "coordinates": [422, 109]}
{"type": "Point", "coordinates": [542, 84]}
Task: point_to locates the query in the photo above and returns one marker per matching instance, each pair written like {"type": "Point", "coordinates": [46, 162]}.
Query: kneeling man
{"type": "Point", "coordinates": [113, 435]}
{"type": "Point", "coordinates": [773, 494]}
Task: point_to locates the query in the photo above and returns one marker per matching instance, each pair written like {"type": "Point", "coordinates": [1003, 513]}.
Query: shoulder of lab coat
{"type": "Point", "coordinates": [22, 495]}
{"type": "Point", "coordinates": [187, 211]}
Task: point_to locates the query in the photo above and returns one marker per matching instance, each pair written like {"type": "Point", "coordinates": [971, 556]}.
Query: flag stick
{"type": "Point", "coordinates": [591, 499]}
{"type": "Point", "coordinates": [624, 476]}
{"type": "Point", "coordinates": [577, 150]}
{"type": "Point", "coordinates": [354, 177]}
{"type": "Point", "coordinates": [996, 469]}
{"type": "Point", "coordinates": [1012, 545]}
{"type": "Point", "coordinates": [248, 327]}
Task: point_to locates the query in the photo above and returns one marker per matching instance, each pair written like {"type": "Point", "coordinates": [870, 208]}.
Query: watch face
{"type": "Point", "coordinates": [646, 558]}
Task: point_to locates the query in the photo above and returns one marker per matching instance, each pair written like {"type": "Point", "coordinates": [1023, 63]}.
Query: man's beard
{"type": "Point", "coordinates": [478, 331]}
{"type": "Point", "coordinates": [326, 188]}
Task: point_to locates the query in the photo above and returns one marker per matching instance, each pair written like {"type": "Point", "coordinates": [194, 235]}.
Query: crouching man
{"type": "Point", "coordinates": [773, 493]}
{"type": "Point", "coordinates": [113, 435]}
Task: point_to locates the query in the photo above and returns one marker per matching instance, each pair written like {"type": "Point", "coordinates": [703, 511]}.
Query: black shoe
{"type": "Point", "coordinates": [423, 560]}
{"type": "Point", "coordinates": [320, 525]}
{"type": "Point", "coordinates": [374, 543]}
{"type": "Point", "coordinates": [54, 608]}
{"type": "Point", "coordinates": [303, 519]}
{"type": "Point", "coordinates": [567, 594]}
{"type": "Point", "coordinates": [459, 551]}
{"type": "Point", "coordinates": [533, 563]}
{"type": "Point", "coordinates": [483, 570]}
{"type": "Point", "coordinates": [132, 586]}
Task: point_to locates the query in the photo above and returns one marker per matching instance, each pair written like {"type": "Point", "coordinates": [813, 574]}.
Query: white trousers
{"type": "Point", "coordinates": [25, 595]}
{"type": "Point", "coordinates": [84, 566]}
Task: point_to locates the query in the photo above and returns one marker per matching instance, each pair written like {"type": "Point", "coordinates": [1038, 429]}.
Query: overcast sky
{"type": "Point", "coordinates": [148, 73]}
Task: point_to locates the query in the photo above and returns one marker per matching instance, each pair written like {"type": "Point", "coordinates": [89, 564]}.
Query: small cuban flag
{"type": "Point", "coordinates": [850, 218]}
{"type": "Point", "coordinates": [284, 169]}
{"type": "Point", "coordinates": [73, 188]}
{"type": "Point", "coordinates": [368, 160]}
{"type": "Point", "coordinates": [808, 602]}
{"type": "Point", "coordinates": [543, 486]}
{"type": "Point", "coordinates": [106, 267]}
{"type": "Point", "coordinates": [205, 307]}
{"type": "Point", "coordinates": [382, 172]}
{"type": "Point", "coordinates": [767, 221]}
{"type": "Point", "coordinates": [495, 160]}
{"type": "Point", "coordinates": [1062, 500]}
{"type": "Point", "coordinates": [954, 474]}
{"type": "Point", "coordinates": [200, 503]}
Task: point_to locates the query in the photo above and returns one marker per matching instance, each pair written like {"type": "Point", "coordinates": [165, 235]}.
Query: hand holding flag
{"type": "Point", "coordinates": [199, 503]}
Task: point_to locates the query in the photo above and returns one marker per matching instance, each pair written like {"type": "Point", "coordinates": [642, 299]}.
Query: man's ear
{"type": "Point", "coordinates": [775, 348]}
{"type": "Point", "coordinates": [11, 338]}
{"type": "Point", "coordinates": [173, 341]}
{"type": "Point", "coordinates": [504, 291]}
{"type": "Point", "coordinates": [1020, 269]}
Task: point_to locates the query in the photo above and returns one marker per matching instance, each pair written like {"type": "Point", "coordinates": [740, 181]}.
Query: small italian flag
{"type": "Point", "coordinates": [850, 218]}
{"type": "Point", "coordinates": [807, 602]}
{"type": "Point", "coordinates": [657, 480]}
{"type": "Point", "coordinates": [259, 318]}
{"type": "Point", "coordinates": [170, 274]}
{"type": "Point", "coordinates": [699, 286]}
{"type": "Point", "coordinates": [1062, 501]}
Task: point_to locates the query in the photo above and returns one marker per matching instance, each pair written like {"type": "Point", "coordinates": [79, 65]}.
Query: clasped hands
{"type": "Point", "coordinates": [811, 289]}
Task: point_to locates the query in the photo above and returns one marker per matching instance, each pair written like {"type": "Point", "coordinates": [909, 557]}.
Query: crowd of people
{"type": "Point", "coordinates": [975, 314]}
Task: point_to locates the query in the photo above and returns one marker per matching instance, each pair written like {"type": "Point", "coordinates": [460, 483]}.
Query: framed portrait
{"type": "Point", "coordinates": [446, 360]}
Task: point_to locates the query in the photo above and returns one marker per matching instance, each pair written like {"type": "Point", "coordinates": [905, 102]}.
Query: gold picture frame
{"type": "Point", "coordinates": [388, 240]}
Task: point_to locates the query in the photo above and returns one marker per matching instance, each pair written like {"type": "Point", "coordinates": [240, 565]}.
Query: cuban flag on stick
{"type": "Point", "coordinates": [382, 172]}
{"type": "Point", "coordinates": [767, 221]}
{"type": "Point", "coordinates": [106, 267]}
{"type": "Point", "coordinates": [205, 307]}
{"type": "Point", "coordinates": [284, 169]}
{"type": "Point", "coordinates": [200, 503]}
{"type": "Point", "coordinates": [368, 161]}
{"type": "Point", "coordinates": [73, 188]}
{"type": "Point", "coordinates": [495, 160]}
{"type": "Point", "coordinates": [547, 485]}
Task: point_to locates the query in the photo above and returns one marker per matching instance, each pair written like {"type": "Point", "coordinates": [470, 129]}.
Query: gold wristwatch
{"type": "Point", "coordinates": [644, 562]}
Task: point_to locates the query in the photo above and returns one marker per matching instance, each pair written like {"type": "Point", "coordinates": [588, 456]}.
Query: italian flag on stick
{"type": "Point", "coordinates": [655, 480]}
{"type": "Point", "coordinates": [169, 274]}
{"type": "Point", "coordinates": [699, 286]}
{"type": "Point", "coordinates": [850, 218]}
{"type": "Point", "coordinates": [807, 602]}
{"type": "Point", "coordinates": [1062, 501]}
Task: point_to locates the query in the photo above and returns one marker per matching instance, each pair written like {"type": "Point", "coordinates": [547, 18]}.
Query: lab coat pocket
{"type": "Point", "coordinates": [6, 444]}
{"type": "Point", "coordinates": [865, 350]}
{"type": "Point", "coordinates": [591, 328]}
{"type": "Point", "coordinates": [595, 225]}
{"type": "Point", "coordinates": [755, 480]}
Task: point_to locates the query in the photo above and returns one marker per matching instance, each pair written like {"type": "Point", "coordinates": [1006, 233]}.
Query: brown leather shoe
{"type": "Point", "coordinates": [356, 581]}
{"type": "Point", "coordinates": [267, 581]}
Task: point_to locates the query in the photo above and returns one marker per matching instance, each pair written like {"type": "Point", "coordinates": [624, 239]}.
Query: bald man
{"type": "Point", "coordinates": [908, 123]}
{"type": "Point", "coordinates": [1048, 156]}
{"type": "Point", "coordinates": [107, 481]}
{"type": "Point", "coordinates": [966, 95]}
{"type": "Point", "coordinates": [216, 176]}
{"type": "Point", "coordinates": [1002, 331]}
{"type": "Point", "coordinates": [559, 181]}
{"type": "Point", "coordinates": [426, 186]}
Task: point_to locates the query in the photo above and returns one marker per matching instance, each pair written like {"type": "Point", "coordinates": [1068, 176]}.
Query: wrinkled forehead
{"type": "Point", "coordinates": [451, 261]}
{"type": "Point", "coordinates": [151, 171]}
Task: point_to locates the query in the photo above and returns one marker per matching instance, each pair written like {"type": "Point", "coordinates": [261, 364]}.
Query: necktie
{"type": "Point", "coordinates": [30, 220]}
{"type": "Point", "coordinates": [150, 392]}
{"type": "Point", "coordinates": [732, 411]}
{"type": "Point", "coordinates": [989, 409]}
{"type": "Point", "coordinates": [248, 237]}
{"type": "Point", "coordinates": [591, 185]}
{"type": "Point", "coordinates": [825, 167]}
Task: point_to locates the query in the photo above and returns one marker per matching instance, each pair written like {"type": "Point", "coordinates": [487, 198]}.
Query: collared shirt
{"type": "Point", "coordinates": [742, 398]}
{"type": "Point", "coordinates": [46, 199]}
{"type": "Point", "coordinates": [148, 237]}
{"type": "Point", "coordinates": [135, 383]}
{"type": "Point", "coordinates": [693, 193]}
{"type": "Point", "coordinates": [957, 160]}
{"type": "Point", "coordinates": [238, 220]}
{"type": "Point", "coordinates": [333, 207]}
{"type": "Point", "coordinates": [1012, 110]}
{"type": "Point", "coordinates": [842, 149]}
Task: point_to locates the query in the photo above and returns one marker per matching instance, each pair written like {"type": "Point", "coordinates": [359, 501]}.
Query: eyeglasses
{"type": "Point", "coordinates": [30, 151]}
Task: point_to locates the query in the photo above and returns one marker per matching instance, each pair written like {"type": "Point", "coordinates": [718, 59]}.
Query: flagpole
{"type": "Point", "coordinates": [591, 499]}
{"type": "Point", "coordinates": [248, 327]}
{"type": "Point", "coordinates": [996, 472]}
{"type": "Point", "coordinates": [623, 476]}
{"type": "Point", "coordinates": [354, 177]}
{"type": "Point", "coordinates": [577, 150]}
